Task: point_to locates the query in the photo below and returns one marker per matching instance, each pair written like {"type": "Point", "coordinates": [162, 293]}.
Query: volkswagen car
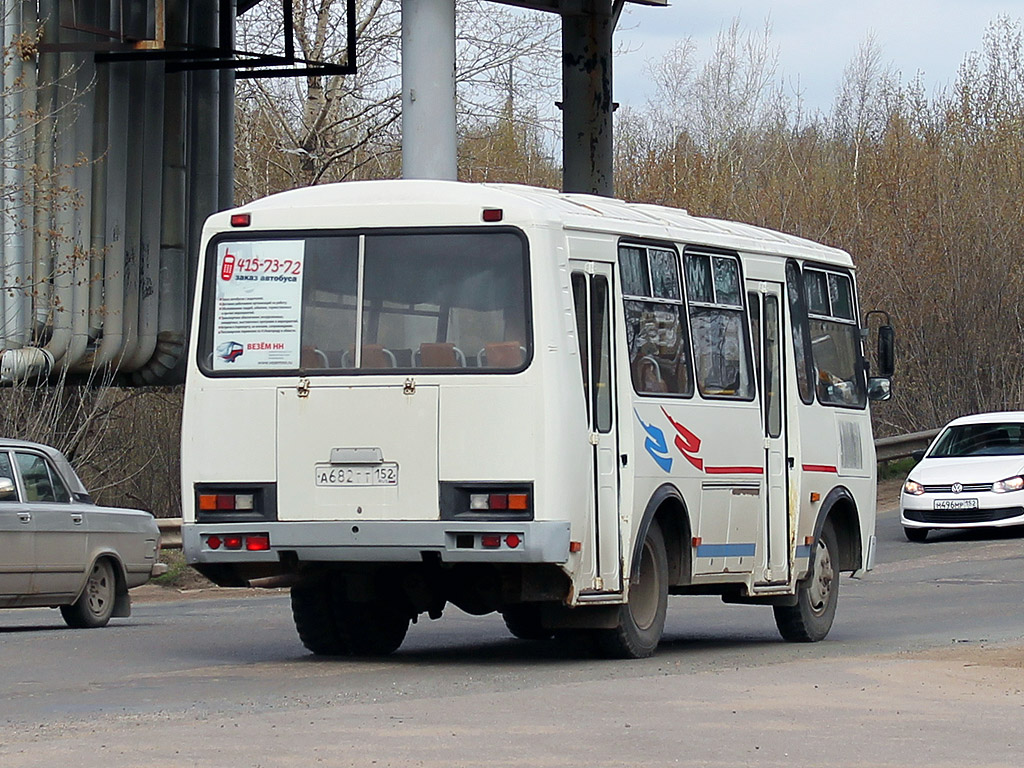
{"type": "Point", "coordinates": [59, 549]}
{"type": "Point", "coordinates": [971, 476]}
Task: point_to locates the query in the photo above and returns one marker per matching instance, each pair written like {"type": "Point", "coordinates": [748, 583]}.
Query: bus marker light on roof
{"type": "Point", "coordinates": [512, 540]}
{"type": "Point", "coordinates": [493, 214]}
{"type": "Point", "coordinates": [490, 540]}
{"type": "Point", "coordinates": [241, 219]}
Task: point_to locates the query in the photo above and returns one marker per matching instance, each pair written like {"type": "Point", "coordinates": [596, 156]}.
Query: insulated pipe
{"type": "Point", "coordinates": [428, 90]}
{"type": "Point", "coordinates": [29, 26]}
{"type": "Point", "coordinates": [46, 102]}
{"type": "Point", "coordinates": [12, 242]}
{"type": "Point", "coordinates": [61, 134]}
{"type": "Point", "coordinates": [150, 195]}
{"type": "Point", "coordinates": [166, 365]}
{"type": "Point", "coordinates": [82, 105]}
{"type": "Point", "coordinates": [133, 211]}
{"type": "Point", "coordinates": [111, 343]}
{"type": "Point", "coordinates": [587, 100]}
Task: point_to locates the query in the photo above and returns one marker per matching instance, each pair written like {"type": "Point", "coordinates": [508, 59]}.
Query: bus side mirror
{"type": "Point", "coordinates": [879, 388]}
{"type": "Point", "coordinates": [7, 490]}
{"type": "Point", "coordinates": [886, 355]}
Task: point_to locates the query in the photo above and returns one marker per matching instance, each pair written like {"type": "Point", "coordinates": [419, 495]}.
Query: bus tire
{"type": "Point", "coordinates": [524, 621]}
{"type": "Point", "coordinates": [374, 629]}
{"type": "Point", "coordinates": [316, 620]}
{"type": "Point", "coordinates": [642, 617]}
{"type": "Point", "coordinates": [915, 534]}
{"type": "Point", "coordinates": [817, 595]}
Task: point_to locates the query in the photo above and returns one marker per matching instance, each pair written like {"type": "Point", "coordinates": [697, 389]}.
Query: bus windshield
{"type": "Point", "coordinates": [449, 301]}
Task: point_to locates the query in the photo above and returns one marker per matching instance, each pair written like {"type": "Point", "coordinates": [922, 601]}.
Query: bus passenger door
{"type": "Point", "coordinates": [776, 523]}
{"type": "Point", "coordinates": [591, 284]}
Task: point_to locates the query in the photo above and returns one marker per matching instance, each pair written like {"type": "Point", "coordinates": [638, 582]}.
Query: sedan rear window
{"type": "Point", "coordinates": [1005, 439]}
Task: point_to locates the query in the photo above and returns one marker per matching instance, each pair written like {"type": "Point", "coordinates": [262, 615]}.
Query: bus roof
{"type": "Point", "coordinates": [450, 203]}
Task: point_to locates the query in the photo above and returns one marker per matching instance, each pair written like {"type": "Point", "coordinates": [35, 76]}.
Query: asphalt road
{"type": "Point", "coordinates": [924, 666]}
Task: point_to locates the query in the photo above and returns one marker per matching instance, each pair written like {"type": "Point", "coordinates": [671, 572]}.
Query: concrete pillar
{"type": "Point", "coordinates": [428, 90]}
{"type": "Point", "coordinates": [587, 99]}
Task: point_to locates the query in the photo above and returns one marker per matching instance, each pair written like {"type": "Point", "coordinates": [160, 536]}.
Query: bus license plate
{"type": "Point", "coordinates": [356, 475]}
{"type": "Point", "coordinates": [956, 504]}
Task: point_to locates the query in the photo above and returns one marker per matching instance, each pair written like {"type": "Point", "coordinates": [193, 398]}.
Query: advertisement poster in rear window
{"type": "Point", "coordinates": [258, 312]}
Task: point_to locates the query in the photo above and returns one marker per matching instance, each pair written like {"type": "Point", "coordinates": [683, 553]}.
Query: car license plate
{"type": "Point", "coordinates": [356, 475]}
{"type": "Point", "coordinates": [956, 504]}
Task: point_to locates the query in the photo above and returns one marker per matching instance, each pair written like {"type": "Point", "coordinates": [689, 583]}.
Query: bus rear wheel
{"type": "Point", "coordinates": [316, 620]}
{"type": "Point", "coordinates": [374, 629]}
{"type": "Point", "coordinates": [642, 618]}
{"type": "Point", "coordinates": [817, 595]}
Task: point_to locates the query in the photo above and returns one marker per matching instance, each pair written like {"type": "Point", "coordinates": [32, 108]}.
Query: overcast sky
{"type": "Point", "coordinates": [816, 39]}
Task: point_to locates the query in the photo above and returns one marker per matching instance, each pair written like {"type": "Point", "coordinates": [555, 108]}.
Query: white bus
{"type": "Point", "coordinates": [564, 408]}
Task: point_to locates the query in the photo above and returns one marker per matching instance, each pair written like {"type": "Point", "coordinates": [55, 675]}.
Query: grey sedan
{"type": "Point", "coordinates": [59, 549]}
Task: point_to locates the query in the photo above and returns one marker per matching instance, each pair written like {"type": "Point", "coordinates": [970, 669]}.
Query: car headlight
{"type": "Point", "coordinates": [1009, 484]}
{"type": "Point", "coordinates": [913, 487]}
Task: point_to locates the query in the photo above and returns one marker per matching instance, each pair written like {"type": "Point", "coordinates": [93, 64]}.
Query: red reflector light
{"type": "Point", "coordinates": [213, 542]}
{"type": "Point", "coordinates": [493, 214]}
{"type": "Point", "coordinates": [490, 540]}
{"type": "Point", "coordinates": [259, 542]}
{"type": "Point", "coordinates": [499, 501]}
{"type": "Point", "coordinates": [241, 219]}
{"type": "Point", "coordinates": [232, 542]}
{"type": "Point", "coordinates": [225, 501]}
{"type": "Point", "coordinates": [512, 540]}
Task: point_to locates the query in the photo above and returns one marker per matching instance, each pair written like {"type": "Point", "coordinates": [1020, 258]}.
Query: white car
{"type": "Point", "coordinates": [59, 549]}
{"type": "Point", "coordinates": [971, 476]}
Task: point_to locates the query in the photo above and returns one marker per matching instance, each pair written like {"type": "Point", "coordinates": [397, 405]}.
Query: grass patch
{"type": "Point", "coordinates": [896, 468]}
{"type": "Point", "coordinates": [180, 575]}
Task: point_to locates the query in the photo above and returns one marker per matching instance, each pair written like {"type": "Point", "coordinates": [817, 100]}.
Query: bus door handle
{"type": "Point", "coordinates": [791, 462]}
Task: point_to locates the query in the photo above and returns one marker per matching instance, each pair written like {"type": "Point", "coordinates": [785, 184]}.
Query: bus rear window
{"type": "Point", "coordinates": [447, 301]}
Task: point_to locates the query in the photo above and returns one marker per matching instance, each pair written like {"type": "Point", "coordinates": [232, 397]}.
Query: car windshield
{"type": "Point", "coordinates": [1005, 439]}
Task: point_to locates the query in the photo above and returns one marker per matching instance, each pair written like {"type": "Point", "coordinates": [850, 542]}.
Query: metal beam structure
{"type": "Point", "coordinates": [98, 255]}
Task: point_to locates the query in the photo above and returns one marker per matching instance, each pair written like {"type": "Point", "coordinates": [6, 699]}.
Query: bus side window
{"type": "Point", "coordinates": [718, 322]}
{"type": "Point", "coordinates": [798, 320]}
{"type": "Point", "coordinates": [656, 332]}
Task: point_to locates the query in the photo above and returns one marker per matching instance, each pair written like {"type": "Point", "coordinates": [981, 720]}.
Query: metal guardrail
{"type": "Point", "coordinates": [886, 449]}
{"type": "Point", "coordinates": [902, 446]}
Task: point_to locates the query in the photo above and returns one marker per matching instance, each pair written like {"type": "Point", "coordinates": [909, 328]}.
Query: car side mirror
{"type": "Point", "coordinates": [7, 490]}
{"type": "Point", "coordinates": [879, 388]}
{"type": "Point", "coordinates": [917, 455]}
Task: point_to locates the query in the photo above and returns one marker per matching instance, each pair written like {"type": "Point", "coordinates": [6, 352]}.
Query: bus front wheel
{"type": "Point", "coordinates": [817, 595]}
{"type": "Point", "coordinates": [642, 618]}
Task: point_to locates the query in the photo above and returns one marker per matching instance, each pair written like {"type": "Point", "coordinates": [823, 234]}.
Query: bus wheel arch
{"type": "Point", "coordinates": [840, 509]}
{"type": "Point", "coordinates": [666, 506]}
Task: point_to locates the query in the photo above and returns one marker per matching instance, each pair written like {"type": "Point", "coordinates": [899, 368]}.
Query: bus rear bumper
{"type": "Point", "coordinates": [379, 541]}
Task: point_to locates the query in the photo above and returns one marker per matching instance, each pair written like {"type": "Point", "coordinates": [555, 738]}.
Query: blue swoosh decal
{"type": "Point", "coordinates": [656, 444]}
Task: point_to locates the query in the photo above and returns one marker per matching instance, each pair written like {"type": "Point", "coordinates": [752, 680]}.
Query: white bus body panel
{"type": "Point", "coordinates": [529, 426]}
